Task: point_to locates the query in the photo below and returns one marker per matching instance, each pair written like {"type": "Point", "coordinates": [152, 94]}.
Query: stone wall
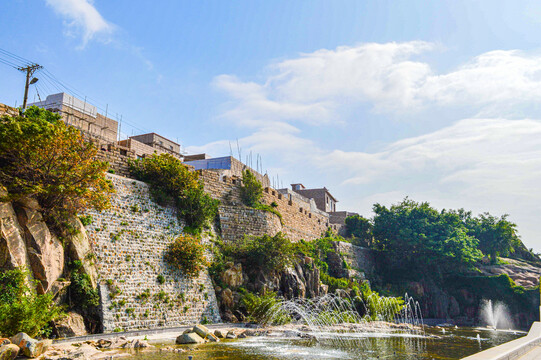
{"type": "Point", "coordinates": [8, 110]}
{"type": "Point", "coordinates": [118, 158]}
{"type": "Point", "coordinates": [237, 221]}
{"type": "Point", "coordinates": [301, 219]}
{"type": "Point", "coordinates": [129, 241]}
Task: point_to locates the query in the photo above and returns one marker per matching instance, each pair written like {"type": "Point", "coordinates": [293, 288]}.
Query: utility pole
{"type": "Point", "coordinates": [29, 70]}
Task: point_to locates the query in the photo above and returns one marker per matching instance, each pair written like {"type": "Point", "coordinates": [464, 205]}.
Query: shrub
{"type": "Point", "coordinates": [40, 156]}
{"type": "Point", "coordinates": [251, 190]}
{"type": "Point", "coordinates": [187, 254]}
{"type": "Point", "coordinates": [251, 193]}
{"type": "Point", "coordinates": [267, 253]}
{"type": "Point", "coordinates": [21, 309]}
{"type": "Point", "coordinates": [172, 183]}
{"type": "Point", "coordinates": [161, 279]}
{"type": "Point", "coordinates": [82, 294]}
{"type": "Point", "coordinates": [86, 220]}
{"type": "Point", "coordinates": [265, 309]}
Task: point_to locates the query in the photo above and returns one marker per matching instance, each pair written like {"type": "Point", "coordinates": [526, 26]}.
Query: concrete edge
{"type": "Point", "coordinates": [512, 349]}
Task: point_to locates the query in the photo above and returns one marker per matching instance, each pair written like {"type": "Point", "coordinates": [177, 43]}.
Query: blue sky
{"type": "Point", "coordinates": [376, 100]}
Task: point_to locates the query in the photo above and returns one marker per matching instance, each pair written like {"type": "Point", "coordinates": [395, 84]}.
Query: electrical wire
{"type": "Point", "coordinates": [52, 84]}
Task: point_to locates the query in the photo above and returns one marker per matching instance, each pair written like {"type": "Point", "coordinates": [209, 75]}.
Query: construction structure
{"type": "Point", "coordinates": [81, 115]}
{"type": "Point", "coordinates": [323, 198]}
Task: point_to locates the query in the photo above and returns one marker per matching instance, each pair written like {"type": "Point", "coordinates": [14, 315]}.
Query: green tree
{"type": "Point", "coordinates": [416, 234]}
{"type": "Point", "coordinates": [172, 183]}
{"type": "Point", "coordinates": [360, 228]}
{"type": "Point", "coordinates": [44, 158]}
{"type": "Point", "coordinates": [497, 236]}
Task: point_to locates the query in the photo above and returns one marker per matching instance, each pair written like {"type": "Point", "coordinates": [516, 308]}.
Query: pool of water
{"type": "Point", "coordinates": [454, 344]}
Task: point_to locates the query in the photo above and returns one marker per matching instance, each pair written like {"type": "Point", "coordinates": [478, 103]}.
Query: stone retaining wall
{"type": "Point", "coordinates": [129, 241]}
{"type": "Point", "coordinates": [235, 222]}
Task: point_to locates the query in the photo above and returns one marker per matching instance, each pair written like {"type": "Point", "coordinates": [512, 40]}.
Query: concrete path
{"type": "Point", "coordinates": [534, 354]}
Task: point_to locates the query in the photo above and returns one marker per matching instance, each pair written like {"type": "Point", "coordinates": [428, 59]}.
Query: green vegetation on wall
{"type": "Point", "coordinates": [187, 254]}
{"type": "Point", "coordinates": [251, 193]}
{"type": "Point", "coordinates": [172, 183]}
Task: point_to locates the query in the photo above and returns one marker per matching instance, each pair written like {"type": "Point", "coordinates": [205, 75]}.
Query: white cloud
{"type": "Point", "coordinates": [480, 164]}
{"type": "Point", "coordinates": [82, 19]}
{"type": "Point", "coordinates": [316, 88]}
{"type": "Point", "coordinates": [489, 161]}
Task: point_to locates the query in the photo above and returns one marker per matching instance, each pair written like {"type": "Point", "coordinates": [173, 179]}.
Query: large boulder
{"type": "Point", "coordinates": [12, 244]}
{"type": "Point", "coordinates": [45, 251]}
{"type": "Point", "coordinates": [8, 352]}
{"type": "Point", "coordinates": [79, 249]}
{"type": "Point", "coordinates": [233, 276]}
{"type": "Point", "coordinates": [30, 347]}
{"type": "Point", "coordinates": [201, 330]}
{"type": "Point", "coordinates": [190, 338]}
{"type": "Point", "coordinates": [72, 325]}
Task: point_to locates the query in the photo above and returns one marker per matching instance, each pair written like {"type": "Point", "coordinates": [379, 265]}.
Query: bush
{"type": "Point", "coordinates": [187, 254]}
{"type": "Point", "coordinates": [82, 294]}
{"type": "Point", "coordinates": [21, 309]}
{"type": "Point", "coordinates": [251, 190]}
{"type": "Point", "coordinates": [42, 157]}
{"type": "Point", "coordinates": [251, 193]}
{"type": "Point", "coordinates": [267, 253]}
{"type": "Point", "coordinates": [265, 309]}
{"type": "Point", "coordinates": [172, 183]}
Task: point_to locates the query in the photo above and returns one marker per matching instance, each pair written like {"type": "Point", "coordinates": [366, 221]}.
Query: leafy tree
{"type": "Point", "coordinates": [360, 228]}
{"type": "Point", "coordinates": [251, 190]}
{"type": "Point", "coordinates": [21, 309]}
{"type": "Point", "coordinates": [172, 183]}
{"type": "Point", "coordinates": [497, 236]}
{"type": "Point", "coordinates": [415, 234]}
{"type": "Point", "coordinates": [42, 157]}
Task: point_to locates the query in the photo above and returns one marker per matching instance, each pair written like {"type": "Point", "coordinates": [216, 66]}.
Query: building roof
{"type": "Point", "coordinates": [153, 133]}
{"type": "Point", "coordinates": [318, 189]}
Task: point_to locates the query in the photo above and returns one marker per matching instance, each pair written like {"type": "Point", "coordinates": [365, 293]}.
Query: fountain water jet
{"type": "Point", "coordinates": [335, 320]}
{"type": "Point", "coordinates": [495, 315]}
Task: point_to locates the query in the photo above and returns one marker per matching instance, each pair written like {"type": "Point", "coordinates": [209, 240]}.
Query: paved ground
{"type": "Point", "coordinates": [534, 354]}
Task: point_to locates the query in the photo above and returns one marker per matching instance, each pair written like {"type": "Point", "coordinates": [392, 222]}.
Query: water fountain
{"type": "Point", "coordinates": [336, 321]}
{"type": "Point", "coordinates": [495, 315]}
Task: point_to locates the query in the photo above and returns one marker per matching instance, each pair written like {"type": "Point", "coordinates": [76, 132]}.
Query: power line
{"type": "Point", "coordinates": [51, 82]}
{"type": "Point", "coordinates": [16, 57]}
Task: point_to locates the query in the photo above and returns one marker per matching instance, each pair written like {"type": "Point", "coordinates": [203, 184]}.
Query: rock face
{"type": "Point", "coordinates": [79, 249]}
{"type": "Point", "coordinates": [45, 251]}
{"type": "Point", "coordinates": [233, 276]}
{"type": "Point", "coordinates": [12, 244]}
{"type": "Point", "coordinates": [71, 325]}
{"type": "Point", "coordinates": [521, 272]}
